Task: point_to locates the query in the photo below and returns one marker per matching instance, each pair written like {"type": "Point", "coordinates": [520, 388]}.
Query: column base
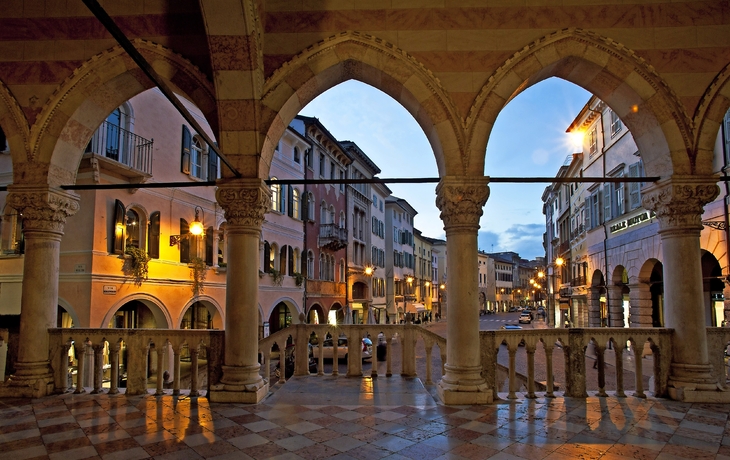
{"type": "Point", "coordinates": [31, 380]}
{"type": "Point", "coordinates": [240, 384]}
{"type": "Point", "coordinates": [462, 386]}
{"type": "Point", "coordinates": [691, 395]}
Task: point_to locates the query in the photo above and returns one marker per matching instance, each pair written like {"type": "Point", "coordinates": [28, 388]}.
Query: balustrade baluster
{"type": "Point", "coordinates": [160, 379]}
{"type": "Point", "coordinates": [266, 363]}
{"type": "Point", "coordinates": [335, 355]}
{"type": "Point", "coordinates": [63, 367]}
{"type": "Point", "coordinates": [549, 368]}
{"type": "Point", "coordinates": [388, 354]}
{"type": "Point", "coordinates": [512, 373]}
{"type": "Point", "coordinates": [176, 370]}
{"type": "Point", "coordinates": [114, 361]}
{"type": "Point", "coordinates": [639, 371]}
{"type": "Point", "coordinates": [80, 369]}
{"type": "Point", "coordinates": [98, 367]}
{"type": "Point", "coordinates": [530, 371]}
{"type": "Point", "coordinates": [194, 372]}
{"type": "Point", "coordinates": [600, 359]}
{"type": "Point", "coordinates": [619, 350]}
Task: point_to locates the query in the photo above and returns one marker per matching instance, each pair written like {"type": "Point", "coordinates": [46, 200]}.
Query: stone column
{"type": "Point", "coordinates": [615, 306]}
{"type": "Point", "coordinates": [44, 211]}
{"type": "Point", "coordinates": [640, 304]}
{"type": "Point", "coordinates": [245, 201]}
{"type": "Point", "coordinates": [678, 203]}
{"type": "Point", "coordinates": [594, 307]}
{"type": "Point", "coordinates": [461, 200]}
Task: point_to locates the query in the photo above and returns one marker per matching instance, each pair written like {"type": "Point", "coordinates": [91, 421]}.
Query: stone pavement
{"type": "Point", "coordinates": [359, 418]}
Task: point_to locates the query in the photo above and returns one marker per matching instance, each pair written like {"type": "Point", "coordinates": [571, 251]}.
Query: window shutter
{"type": "Point", "coordinates": [212, 164]}
{"type": "Point", "coordinates": [607, 202]}
{"type": "Point", "coordinates": [153, 237]}
{"type": "Point", "coordinates": [634, 187]}
{"type": "Point", "coordinates": [209, 246]}
{"type": "Point", "coordinates": [119, 227]}
{"type": "Point", "coordinates": [291, 261]}
{"type": "Point", "coordinates": [184, 242]}
{"type": "Point", "coordinates": [587, 208]}
{"type": "Point", "coordinates": [267, 257]}
{"type": "Point", "coordinates": [290, 195]}
{"type": "Point", "coordinates": [187, 141]}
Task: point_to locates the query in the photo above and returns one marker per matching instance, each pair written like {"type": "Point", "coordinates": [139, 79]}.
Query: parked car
{"type": "Point", "coordinates": [525, 317]}
{"type": "Point", "coordinates": [512, 309]}
{"type": "Point", "coordinates": [342, 348]}
{"type": "Point", "coordinates": [511, 327]}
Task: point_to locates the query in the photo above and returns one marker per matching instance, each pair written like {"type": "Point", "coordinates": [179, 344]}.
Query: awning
{"type": "Point", "coordinates": [415, 308]}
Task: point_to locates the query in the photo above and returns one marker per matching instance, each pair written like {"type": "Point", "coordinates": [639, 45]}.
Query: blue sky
{"type": "Point", "coordinates": [528, 140]}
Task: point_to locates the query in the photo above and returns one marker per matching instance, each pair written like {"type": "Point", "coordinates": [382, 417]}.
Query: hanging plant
{"type": "Point", "coordinates": [136, 265]}
{"type": "Point", "coordinates": [197, 274]}
{"type": "Point", "coordinates": [276, 276]}
{"type": "Point", "coordinates": [298, 278]}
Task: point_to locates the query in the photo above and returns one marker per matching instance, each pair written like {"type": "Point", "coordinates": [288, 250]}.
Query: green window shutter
{"type": "Point", "coordinates": [187, 140]}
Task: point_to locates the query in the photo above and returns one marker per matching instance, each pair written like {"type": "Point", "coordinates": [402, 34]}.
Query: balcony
{"type": "Point", "coordinates": [120, 152]}
{"type": "Point", "coordinates": [325, 288]}
{"type": "Point", "coordinates": [332, 237]}
{"type": "Point", "coordinates": [578, 281]}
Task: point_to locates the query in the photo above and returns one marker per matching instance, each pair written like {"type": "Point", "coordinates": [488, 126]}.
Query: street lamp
{"type": "Point", "coordinates": [196, 228]}
{"type": "Point", "coordinates": [550, 288]}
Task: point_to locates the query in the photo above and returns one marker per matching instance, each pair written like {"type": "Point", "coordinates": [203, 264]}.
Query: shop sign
{"type": "Point", "coordinates": [109, 290]}
{"type": "Point", "coordinates": [627, 223]}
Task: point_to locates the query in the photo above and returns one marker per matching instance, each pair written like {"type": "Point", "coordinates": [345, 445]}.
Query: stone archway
{"type": "Point", "coordinates": [616, 75]}
{"type": "Point", "coordinates": [597, 307]}
{"type": "Point", "coordinates": [713, 285]}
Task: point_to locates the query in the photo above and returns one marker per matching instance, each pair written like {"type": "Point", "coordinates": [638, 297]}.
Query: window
{"type": "Point", "coordinates": [322, 267]}
{"type": "Point", "coordinates": [616, 124]}
{"type": "Point", "coordinates": [323, 213]}
{"type": "Point", "coordinates": [209, 237]}
{"type": "Point", "coordinates": [618, 198]}
{"type": "Point", "coordinates": [184, 242]}
{"type": "Point", "coordinates": [321, 164]}
{"type": "Point", "coordinates": [295, 211]}
{"type": "Point", "coordinates": [332, 170]}
{"type": "Point", "coordinates": [275, 196]}
{"type": "Point", "coordinates": [290, 201]}
{"type": "Point", "coordinates": [132, 229]}
{"type": "Point", "coordinates": [342, 176]}
{"type": "Point", "coordinates": [593, 141]}
{"type": "Point", "coordinates": [297, 158]}
{"type": "Point", "coordinates": [310, 264]}
{"type": "Point", "coordinates": [308, 158]}
{"type": "Point", "coordinates": [635, 170]}
{"type": "Point", "coordinates": [196, 158]}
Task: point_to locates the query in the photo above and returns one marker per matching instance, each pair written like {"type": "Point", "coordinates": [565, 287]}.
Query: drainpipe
{"type": "Point", "coordinates": [726, 201]}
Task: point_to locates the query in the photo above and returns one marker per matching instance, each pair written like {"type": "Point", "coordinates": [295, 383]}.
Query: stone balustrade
{"type": "Point", "coordinates": [136, 353]}
{"type": "Point", "coordinates": [147, 353]}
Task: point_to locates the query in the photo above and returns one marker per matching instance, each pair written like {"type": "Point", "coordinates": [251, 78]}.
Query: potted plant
{"type": "Point", "coordinates": [197, 274]}
{"type": "Point", "coordinates": [298, 278]}
{"type": "Point", "coordinates": [136, 264]}
{"type": "Point", "coordinates": [276, 276]}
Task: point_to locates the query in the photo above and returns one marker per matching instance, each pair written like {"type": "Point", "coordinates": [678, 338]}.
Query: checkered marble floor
{"type": "Point", "coordinates": [317, 418]}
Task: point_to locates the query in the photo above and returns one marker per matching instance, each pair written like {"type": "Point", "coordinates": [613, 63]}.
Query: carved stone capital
{"type": "Point", "coordinates": [679, 201]}
{"type": "Point", "coordinates": [244, 201]}
{"type": "Point", "coordinates": [461, 201]}
{"type": "Point", "coordinates": [43, 208]}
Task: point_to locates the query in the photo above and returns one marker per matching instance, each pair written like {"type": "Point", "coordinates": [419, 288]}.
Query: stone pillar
{"type": "Point", "coordinates": [594, 307]}
{"type": "Point", "coordinates": [678, 203]}
{"type": "Point", "coordinates": [44, 211]}
{"type": "Point", "coordinates": [615, 306]}
{"type": "Point", "coordinates": [461, 200]}
{"type": "Point", "coordinates": [640, 304]}
{"type": "Point", "coordinates": [245, 201]}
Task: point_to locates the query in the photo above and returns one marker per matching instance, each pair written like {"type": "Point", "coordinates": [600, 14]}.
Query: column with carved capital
{"type": "Point", "coordinates": [244, 201]}
{"type": "Point", "coordinates": [44, 211]}
{"type": "Point", "coordinates": [461, 200]}
{"type": "Point", "coordinates": [678, 203]}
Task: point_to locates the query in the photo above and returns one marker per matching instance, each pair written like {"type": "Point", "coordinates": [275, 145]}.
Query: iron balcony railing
{"type": "Point", "coordinates": [125, 147]}
{"type": "Point", "coordinates": [332, 236]}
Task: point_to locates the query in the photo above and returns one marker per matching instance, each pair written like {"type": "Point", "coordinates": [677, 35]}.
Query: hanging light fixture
{"type": "Point", "coordinates": [196, 228]}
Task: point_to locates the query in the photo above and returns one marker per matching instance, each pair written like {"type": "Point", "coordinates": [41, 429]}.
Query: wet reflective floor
{"type": "Point", "coordinates": [352, 418]}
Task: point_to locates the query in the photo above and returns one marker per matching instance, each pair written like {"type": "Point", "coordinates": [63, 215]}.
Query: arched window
{"type": "Point", "coordinates": [322, 267]}
{"type": "Point", "coordinates": [132, 229]}
{"type": "Point", "coordinates": [342, 271]}
{"type": "Point", "coordinates": [331, 215]}
{"type": "Point", "coordinates": [295, 204]}
{"type": "Point", "coordinates": [297, 261]}
{"type": "Point", "coordinates": [310, 265]}
{"type": "Point", "coordinates": [275, 194]}
{"type": "Point", "coordinates": [272, 257]}
{"type": "Point", "coordinates": [282, 260]}
{"type": "Point", "coordinates": [222, 244]}
{"type": "Point", "coordinates": [342, 219]}
{"type": "Point", "coordinates": [323, 213]}
{"type": "Point", "coordinates": [310, 206]}
{"type": "Point", "coordinates": [290, 261]}
{"type": "Point", "coordinates": [113, 135]}
{"type": "Point", "coordinates": [297, 157]}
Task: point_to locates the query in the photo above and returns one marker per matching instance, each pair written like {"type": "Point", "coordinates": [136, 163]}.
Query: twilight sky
{"type": "Point", "coordinates": [528, 140]}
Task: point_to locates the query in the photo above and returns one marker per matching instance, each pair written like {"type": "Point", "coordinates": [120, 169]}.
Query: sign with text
{"type": "Point", "coordinates": [109, 290]}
